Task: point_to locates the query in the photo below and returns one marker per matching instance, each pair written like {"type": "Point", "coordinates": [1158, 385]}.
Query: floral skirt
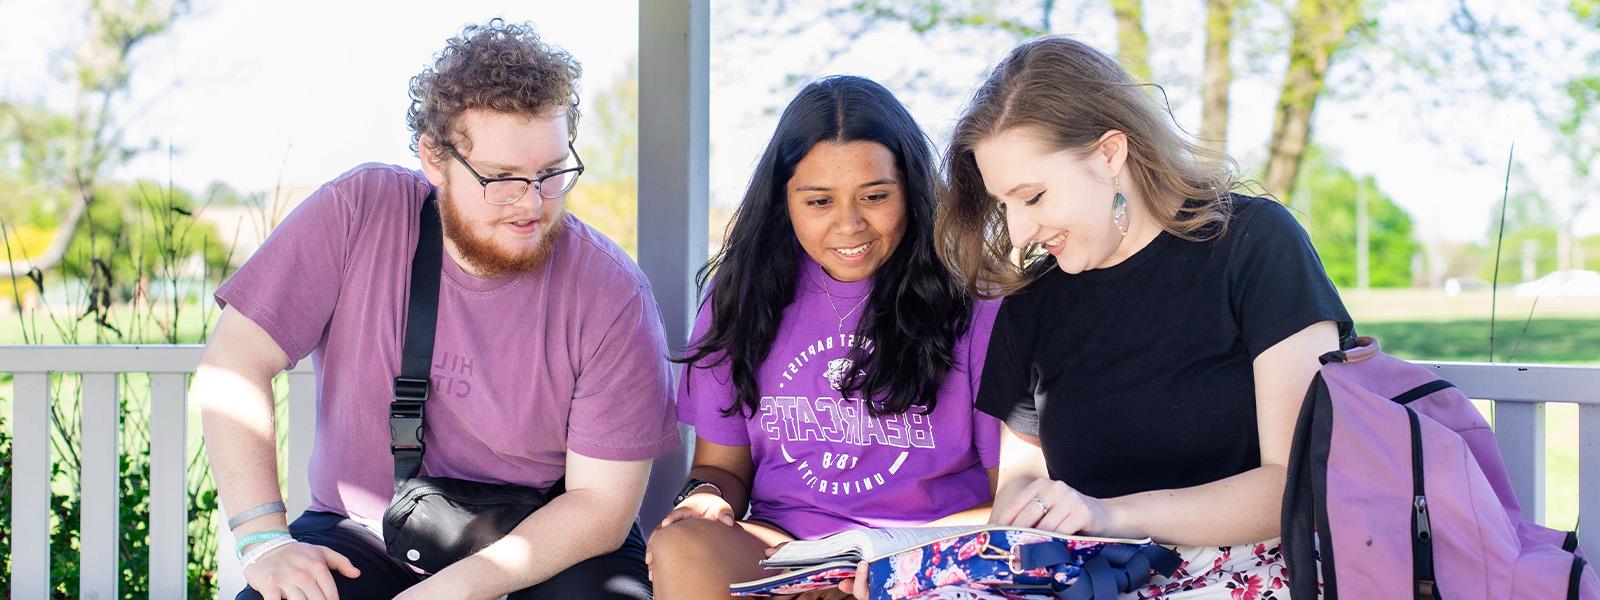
{"type": "Point", "coordinates": [1244, 572]}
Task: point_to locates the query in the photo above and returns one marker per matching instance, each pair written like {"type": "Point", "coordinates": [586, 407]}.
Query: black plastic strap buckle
{"type": "Point", "coordinates": [405, 433]}
{"type": "Point", "coordinates": [414, 390]}
{"type": "Point", "coordinates": [1427, 588]}
{"type": "Point", "coordinates": [405, 414]}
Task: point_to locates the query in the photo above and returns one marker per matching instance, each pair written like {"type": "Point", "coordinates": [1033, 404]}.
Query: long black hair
{"type": "Point", "coordinates": [917, 309]}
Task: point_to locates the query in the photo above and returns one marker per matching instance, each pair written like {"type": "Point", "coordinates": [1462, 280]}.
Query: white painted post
{"type": "Point", "coordinates": [674, 166]}
{"type": "Point", "coordinates": [1589, 480]}
{"type": "Point", "coordinates": [302, 424]}
{"type": "Point", "coordinates": [1519, 428]}
{"type": "Point", "coordinates": [99, 489]}
{"type": "Point", "coordinates": [30, 485]}
{"type": "Point", "coordinates": [169, 486]}
{"type": "Point", "coordinates": [230, 576]}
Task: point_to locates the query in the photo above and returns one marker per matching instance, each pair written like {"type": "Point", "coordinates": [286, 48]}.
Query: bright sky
{"type": "Point", "coordinates": [1446, 165]}
{"type": "Point", "coordinates": [306, 88]}
{"type": "Point", "coordinates": [310, 89]}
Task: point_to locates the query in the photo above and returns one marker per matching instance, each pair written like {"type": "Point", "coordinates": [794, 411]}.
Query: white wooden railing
{"type": "Point", "coordinates": [169, 368]}
{"type": "Point", "coordinates": [1519, 392]}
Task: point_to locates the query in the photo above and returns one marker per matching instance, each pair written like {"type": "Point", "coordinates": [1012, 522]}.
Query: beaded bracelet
{"type": "Point", "coordinates": [256, 538]}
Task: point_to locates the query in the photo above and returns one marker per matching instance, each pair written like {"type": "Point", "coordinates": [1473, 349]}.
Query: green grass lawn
{"type": "Point", "coordinates": [1556, 340]}
{"type": "Point", "coordinates": [127, 326]}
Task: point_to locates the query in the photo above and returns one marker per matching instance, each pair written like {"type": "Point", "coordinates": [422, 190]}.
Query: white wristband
{"type": "Point", "coordinates": [263, 548]}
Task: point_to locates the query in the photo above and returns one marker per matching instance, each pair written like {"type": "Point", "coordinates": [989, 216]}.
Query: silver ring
{"type": "Point", "coordinates": [1042, 506]}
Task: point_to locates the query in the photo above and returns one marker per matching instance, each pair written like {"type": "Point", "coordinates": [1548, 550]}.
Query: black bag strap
{"type": "Point", "coordinates": [422, 312]}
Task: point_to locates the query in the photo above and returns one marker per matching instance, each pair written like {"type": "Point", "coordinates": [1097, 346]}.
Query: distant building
{"type": "Point", "coordinates": [243, 227]}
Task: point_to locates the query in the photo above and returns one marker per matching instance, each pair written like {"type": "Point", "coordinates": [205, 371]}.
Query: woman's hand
{"type": "Point", "coordinates": [856, 586]}
{"type": "Point", "coordinates": [703, 505]}
{"type": "Point", "coordinates": [822, 594]}
{"type": "Point", "coordinates": [1054, 506]}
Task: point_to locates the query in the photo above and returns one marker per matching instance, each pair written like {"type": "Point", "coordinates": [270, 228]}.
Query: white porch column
{"type": "Point", "coordinates": [674, 155]}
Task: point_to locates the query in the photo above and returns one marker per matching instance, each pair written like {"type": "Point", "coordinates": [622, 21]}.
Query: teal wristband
{"type": "Point", "coordinates": [256, 538]}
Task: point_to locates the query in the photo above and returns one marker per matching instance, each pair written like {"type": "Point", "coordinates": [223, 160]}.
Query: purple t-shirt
{"type": "Point", "coordinates": [525, 367]}
{"type": "Point", "coordinates": [823, 464]}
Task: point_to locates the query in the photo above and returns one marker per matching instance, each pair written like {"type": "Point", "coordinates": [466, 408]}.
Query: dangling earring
{"type": "Point", "coordinates": [1119, 208]}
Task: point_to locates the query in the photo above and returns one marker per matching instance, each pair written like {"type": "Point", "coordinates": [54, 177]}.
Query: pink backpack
{"type": "Point", "coordinates": [1396, 489]}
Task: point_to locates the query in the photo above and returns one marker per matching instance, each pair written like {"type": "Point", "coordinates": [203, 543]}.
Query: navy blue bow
{"type": "Point", "coordinates": [1116, 569]}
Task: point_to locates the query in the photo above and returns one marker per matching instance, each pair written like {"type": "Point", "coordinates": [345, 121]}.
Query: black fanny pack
{"type": "Point", "coordinates": [435, 521]}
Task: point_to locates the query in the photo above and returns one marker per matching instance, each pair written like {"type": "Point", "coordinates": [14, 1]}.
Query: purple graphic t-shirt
{"type": "Point", "coordinates": [525, 367]}
{"type": "Point", "coordinates": [823, 464]}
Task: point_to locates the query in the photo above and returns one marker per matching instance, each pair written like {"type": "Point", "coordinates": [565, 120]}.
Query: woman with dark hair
{"type": "Point", "coordinates": [1158, 330]}
{"type": "Point", "coordinates": [834, 361]}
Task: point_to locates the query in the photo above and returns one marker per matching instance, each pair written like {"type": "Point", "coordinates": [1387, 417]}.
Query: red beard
{"type": "Point", "coordinates": [485, 257]}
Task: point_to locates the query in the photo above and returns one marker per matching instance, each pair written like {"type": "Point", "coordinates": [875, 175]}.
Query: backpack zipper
{"type": "Point", "coordinates": [1427, 587]}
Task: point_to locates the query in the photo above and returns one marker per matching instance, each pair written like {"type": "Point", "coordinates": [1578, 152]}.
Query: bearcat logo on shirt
{"type": "Point", "coordinates": [841, 420]}
{"type": "Point", "coordinates": [799, 423]}
{"type": "Point", "coordinates": [838, 368]}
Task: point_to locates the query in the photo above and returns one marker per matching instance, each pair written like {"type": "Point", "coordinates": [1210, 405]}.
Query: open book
{"type": "Point", "coordinates": [906, 558]}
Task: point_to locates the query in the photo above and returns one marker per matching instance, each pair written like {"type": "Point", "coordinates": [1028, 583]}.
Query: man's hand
{"type": "Point", "coordinates": [298, 572]}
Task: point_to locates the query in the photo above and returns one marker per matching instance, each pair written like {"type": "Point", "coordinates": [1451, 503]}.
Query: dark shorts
{"type": "Point", "coordinates": [620, 575]}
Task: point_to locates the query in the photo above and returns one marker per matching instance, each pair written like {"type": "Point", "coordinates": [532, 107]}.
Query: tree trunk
{"type": "Point", "coordinates": [1133, 45]}
{"type": "Point", "coordinates": [105, 69]}
{"type": "Point", "coordinates": [52, 254]}
{"type": "Point", "coordinates": [1218, 76]}
{"type": "Point", "coordinates": [1564, 246]}
{"type": "Point", "coordinates": [1319, 30]}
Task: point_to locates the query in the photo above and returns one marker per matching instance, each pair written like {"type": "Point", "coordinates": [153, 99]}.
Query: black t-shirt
{"type": "Point", "coordinates": [1138, 377]}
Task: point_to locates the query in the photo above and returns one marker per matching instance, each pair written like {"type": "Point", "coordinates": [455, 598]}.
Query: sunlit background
{"type": "Point", "coordinates": [147, 147]}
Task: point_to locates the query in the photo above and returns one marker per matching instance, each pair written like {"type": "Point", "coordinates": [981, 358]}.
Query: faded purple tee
{"type": "Point", "coordinates": [823, 464]}
{"type": "Point", "coordinates": [525, 367]}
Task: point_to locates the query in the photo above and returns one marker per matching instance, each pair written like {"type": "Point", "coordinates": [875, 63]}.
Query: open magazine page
{"type": "Point", "coordinates": [912, 562]}
{"type": "Point", "coordinates": [857, 544]}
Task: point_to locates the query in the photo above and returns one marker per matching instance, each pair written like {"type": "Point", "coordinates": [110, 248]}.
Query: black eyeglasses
{"type": "Point", "coordinates": [501, 191]}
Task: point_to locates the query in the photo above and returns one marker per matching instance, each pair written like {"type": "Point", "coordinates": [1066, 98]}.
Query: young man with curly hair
{"type": "Point", "coordinates": [549, 360]}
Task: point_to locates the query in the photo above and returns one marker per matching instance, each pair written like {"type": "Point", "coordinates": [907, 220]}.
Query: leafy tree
{"type": "Point", "coordinates": [1217, 77]}
{"type": "Point", "coordinates": [1133, 44]}
{"type": "Point", "coordinates": [606, 197]}
{"type": "Point", "coordinates": [71, 154]}
{"type": "Point", "coordinates": [1327, 208]}
{"type": "Point", "coordinates": [1538, 241]}
{"type": "Point", "coordinates": [1320, 30]}
{"type": "Point", "coordinates": [141, 230]}
{"type": "Point", "coordinates": [1576, 125]}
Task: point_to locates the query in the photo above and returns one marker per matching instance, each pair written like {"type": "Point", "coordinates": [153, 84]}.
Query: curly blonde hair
{"type": "Point", "coordinates": [499, 66]}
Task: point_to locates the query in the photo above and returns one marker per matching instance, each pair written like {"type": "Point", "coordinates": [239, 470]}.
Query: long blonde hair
{"type": "Point", "coordinates": [1072, 95]}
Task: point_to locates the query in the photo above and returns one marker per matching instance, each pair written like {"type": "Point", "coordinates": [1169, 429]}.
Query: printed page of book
{"type": "Point", "coordinates": [859, 543]}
